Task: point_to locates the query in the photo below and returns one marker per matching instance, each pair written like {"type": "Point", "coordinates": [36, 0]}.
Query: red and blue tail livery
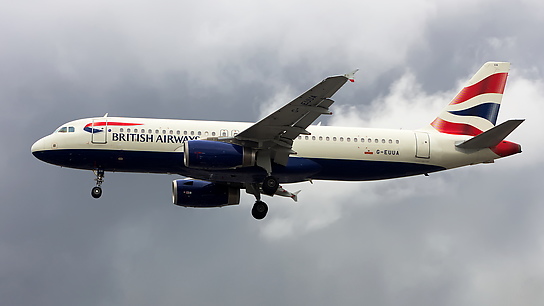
{"type": "Point", "coordinates": [475, 108]}
{"type": "Point", "coordinates": [219, 159]}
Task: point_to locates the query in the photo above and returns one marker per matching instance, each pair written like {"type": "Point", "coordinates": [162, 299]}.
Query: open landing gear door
{"type": "Point", "coordinates": [99, 129]}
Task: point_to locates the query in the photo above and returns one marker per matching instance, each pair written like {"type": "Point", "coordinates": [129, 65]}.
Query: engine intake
{"type": "Point", "coordinates": [194, 193]}
{"type": "Point", "coordinates": [215, 155]}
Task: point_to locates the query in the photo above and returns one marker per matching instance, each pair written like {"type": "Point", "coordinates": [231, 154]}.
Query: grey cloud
{"type": "Point", "coordinates": [466, 236]}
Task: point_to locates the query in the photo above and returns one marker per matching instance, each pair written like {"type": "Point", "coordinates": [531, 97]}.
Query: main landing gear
{"type": "Point", "coordinates": [269, 187]}
{"type": "Point", "coordinates": [96, 192]}
{"type": "Point", "coordinates": [259, 210]}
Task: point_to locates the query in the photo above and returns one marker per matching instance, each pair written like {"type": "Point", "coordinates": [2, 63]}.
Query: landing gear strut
{"type": "Point", "coordinates": [96, 192]}
{"type": "Point", "coordinates": [259, 208]}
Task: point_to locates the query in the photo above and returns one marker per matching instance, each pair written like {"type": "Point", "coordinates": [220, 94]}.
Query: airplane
{"type": "Point", "coordinates": [218, 159]}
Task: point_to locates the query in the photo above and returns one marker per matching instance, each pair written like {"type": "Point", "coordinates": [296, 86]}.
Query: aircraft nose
{"type": "Point", "coordinates": [38, 146]}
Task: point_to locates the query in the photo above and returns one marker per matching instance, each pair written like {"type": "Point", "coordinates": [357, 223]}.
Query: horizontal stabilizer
{"type": "Point", "coordinates": [491, 137]}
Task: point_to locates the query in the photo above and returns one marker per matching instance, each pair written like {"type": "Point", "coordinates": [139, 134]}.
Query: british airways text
{"type": "Point", "coordinates": [151, 138]}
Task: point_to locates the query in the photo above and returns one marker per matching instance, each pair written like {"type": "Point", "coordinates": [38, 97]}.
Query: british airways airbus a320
{"type": "Point", "coordinates": [221, 158]}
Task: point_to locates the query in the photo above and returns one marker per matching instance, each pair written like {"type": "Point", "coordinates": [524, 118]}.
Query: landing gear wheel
{"type": "Point", "coordinates": [259, 210]}
{"type": "Point", "coordinates": [270, 185]}
{"type": "Point", "coordinates": [96, 192]}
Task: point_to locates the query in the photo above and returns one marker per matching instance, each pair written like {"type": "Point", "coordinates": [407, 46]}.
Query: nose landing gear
{"type": "Point", "coordinates": [96, 192]}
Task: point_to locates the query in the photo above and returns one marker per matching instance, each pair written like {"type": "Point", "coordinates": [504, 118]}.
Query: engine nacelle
{"type": "Point", "coordinates": [193, 193]}
{"type": "Point", "coordinates": [215, 155]}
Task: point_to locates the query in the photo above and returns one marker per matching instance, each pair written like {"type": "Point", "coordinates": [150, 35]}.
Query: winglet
{"type": "Point", "coordinates": [351, 76]}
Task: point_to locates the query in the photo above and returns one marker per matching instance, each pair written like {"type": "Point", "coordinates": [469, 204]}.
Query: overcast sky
{"type": "Point", "coordinates": [470, 236]}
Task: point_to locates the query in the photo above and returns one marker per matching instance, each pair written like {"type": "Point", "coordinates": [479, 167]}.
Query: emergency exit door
{"type": "Point", "coordinates": [423, 145]}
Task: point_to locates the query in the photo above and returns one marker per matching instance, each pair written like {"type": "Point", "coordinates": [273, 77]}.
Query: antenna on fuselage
{"type": "Point", "coordinates": [106, 115]}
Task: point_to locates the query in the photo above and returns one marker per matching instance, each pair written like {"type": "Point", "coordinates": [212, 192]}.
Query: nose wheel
{"type": "Point", "coordinates": [96, 192]}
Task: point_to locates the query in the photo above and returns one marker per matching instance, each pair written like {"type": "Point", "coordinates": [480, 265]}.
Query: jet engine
{"type": "Point", "coordinates": [194, 193]}
{"type": "Point", "coordinates": [215, 155]}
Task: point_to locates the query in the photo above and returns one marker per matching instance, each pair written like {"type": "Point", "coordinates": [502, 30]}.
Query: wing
{"type": "Point", "coordinates": [273, 136]}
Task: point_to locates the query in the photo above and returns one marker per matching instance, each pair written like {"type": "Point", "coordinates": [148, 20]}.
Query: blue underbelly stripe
{"type": "Point", "coordinates": [298, 169]}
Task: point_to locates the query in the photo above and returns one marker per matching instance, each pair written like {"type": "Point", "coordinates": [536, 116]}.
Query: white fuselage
{"type": "Point", "coordinates": [116, 137]}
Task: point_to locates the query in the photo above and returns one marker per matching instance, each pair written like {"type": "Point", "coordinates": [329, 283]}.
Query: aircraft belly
{"type": "Point", "coordinates": [298, 169]}
{"type": "Point", "coordinates": [368, 170]}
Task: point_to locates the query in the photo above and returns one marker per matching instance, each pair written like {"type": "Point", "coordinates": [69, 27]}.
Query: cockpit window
{"type": "Point", "coordinates": [66, 129]}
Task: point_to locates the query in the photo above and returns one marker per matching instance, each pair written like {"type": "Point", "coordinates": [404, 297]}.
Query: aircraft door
{"type": "Point", "coordinates": [99, 130]}
{"type": "Point", "coordinates": [423, 145]}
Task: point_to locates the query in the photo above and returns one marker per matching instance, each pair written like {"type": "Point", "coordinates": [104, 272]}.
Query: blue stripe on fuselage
{"type": "Point", "coordinates": [298, 169]}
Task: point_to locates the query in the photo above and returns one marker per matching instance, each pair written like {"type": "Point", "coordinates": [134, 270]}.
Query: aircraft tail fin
{"type": "Point", "coordinates": [491, 138]}
{"type": "Point", "coordinates": [475, 108]}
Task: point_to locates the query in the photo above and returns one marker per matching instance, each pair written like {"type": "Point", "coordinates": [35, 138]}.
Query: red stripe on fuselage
{"type": "Point", "coordinates": [104, 123]}
{"type": "Point", "coordinates": [494, 83]}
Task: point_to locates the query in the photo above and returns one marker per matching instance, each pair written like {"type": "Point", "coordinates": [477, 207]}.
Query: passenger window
{"type": "Point", "coordinates": [121, 130]}
{"type": "Point", "coordinates": [213, 133]}
{"type": "Point", "coordinates": [383, 140]}
{"type": "Point", "coordinates": [299, 137]}
{"type": "Point", "coordinates": [164, 131]}
{"type": "Point", "coordinates": [348, 139]}
{"type": "Point", "coordinates": [178, 132]}
{"type": "Point", "coordinates": [390, 141]}
{"type": "Point", "coordinates": [313, 137]}
{"type": "Point", "coordinates": [341, 138]}
{"type": "Point", "coordinates": [128, 130]}
{"type": "Point", "coordinates": [327, 138]}
{"type": "Point", "coordinates": [376, 140]}
{"type": "Point", "coordinates": [71, 129]}
{"type": "Point", "coordinates": [156, 131]}
{"type": "Point", "coordinates": [369, 140]}
{"type": "Point", "coordinates": [199, 133]}
{"type": "Point", "coordinates": [149, 131]}
{"type": "Point", "coordinates": [320, 138]}
{"type": "Point", "coordinates": [362, 140]}
{"type": "Point", "coordinates": [306, 137]}
{"type": "Point", "coordinates": [193, 132]}
{"type": "Point", "coordinates": [354, 139]}
{"type": "Point", "coordinates": [171, 132]}
{"type": "Point", "coordinates": [334, 139]}
{"type": "Point", "coordinates": [397, 141]}
{"type": "Point", "coordinates": [184, 132]}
